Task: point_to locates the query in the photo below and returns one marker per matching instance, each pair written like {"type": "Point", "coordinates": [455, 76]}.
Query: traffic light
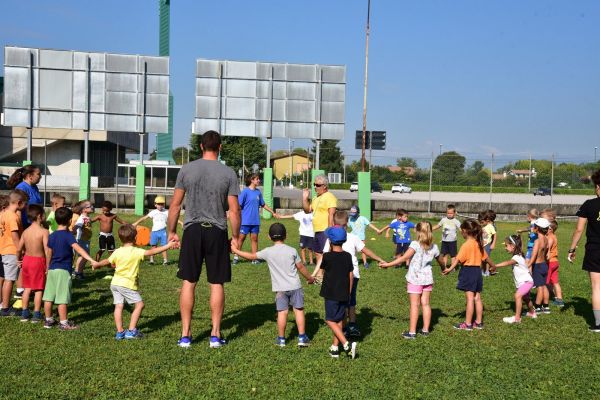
{"type": "Point", "coordinates": [378, 140]}
{"type": "Point", "coordinates": [358, 142]}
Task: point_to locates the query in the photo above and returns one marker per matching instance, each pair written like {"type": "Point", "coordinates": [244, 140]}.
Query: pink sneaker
{"type": "Point", "coordinates": [531, 314]}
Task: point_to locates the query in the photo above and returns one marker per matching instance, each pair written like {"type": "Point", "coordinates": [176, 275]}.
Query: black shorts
{"type": "Point", "coordinates": [540, 274]}
{"type": "Point", "coordinates": [591, 260]}
{"type": "Point", "coordinates": [401, 248]}
{"type": "Point", "coordinates": [306, 242]}
{"type": "Point", "coordinates": [106, 242]}
{"type": "Point", "coordinates": [319, 242]}
{"type": "Point", "coordinates": [449, 248]}
{"type": "Point", "coordinates": [335, 310]}
{"type": "Point", "coordinates": [470, 279]}
{"type": "Point", "coordinates": [204, 242]}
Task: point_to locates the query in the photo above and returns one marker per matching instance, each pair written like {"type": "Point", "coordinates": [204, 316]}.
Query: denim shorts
{"type": "Point", "coordinates": [157, 237]}
{"type": "Point", "coordinates": [294, 298]}
{"type": "Point", "coordinates": [248, 229]}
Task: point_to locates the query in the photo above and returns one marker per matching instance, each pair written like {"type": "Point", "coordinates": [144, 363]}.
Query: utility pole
{"type": "Point", "coordinates": [364, 131]}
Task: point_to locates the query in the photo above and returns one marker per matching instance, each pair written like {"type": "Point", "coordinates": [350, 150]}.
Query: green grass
{"type": "Point", "coordinates": [552, 357]}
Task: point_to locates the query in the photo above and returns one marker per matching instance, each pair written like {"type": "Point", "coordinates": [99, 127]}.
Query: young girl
{"type": "Point", "coordinates": [538, 265]}
{"type": "Point", "coordinates": [470, 281]}
{"type": "Point", "coordinates": [532, 215]}
{"type": "Point", "coordinates": [419, 278]}
{"type": "Point", "coordinates": [521, 276]}
{"type": "Point", "coordinates": [359, 225]}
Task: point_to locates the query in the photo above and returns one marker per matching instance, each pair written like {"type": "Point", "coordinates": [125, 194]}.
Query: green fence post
{"type": "Point", "coordinates": [84, 181]}
{"type": "Point", "coordinates": [140, 188]}
{"type": "Point", "coordinates": [364, 194]}
{"type": "Point", "coordinates": [268, 191]}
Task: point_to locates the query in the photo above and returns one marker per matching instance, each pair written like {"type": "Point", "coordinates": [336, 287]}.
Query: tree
{"type": "Point", "coordinates": [234, 149]}
{"type": "Point", "coordinates": [406, 162]}
{"type": "Point", "coordinates": [475, 168]}
{"type": "Point", "coordinates": [450, 165]}
{"type": "Point", "coordinates": [330, 156]}
{"type": "Point", "coordinates": [180, 155]}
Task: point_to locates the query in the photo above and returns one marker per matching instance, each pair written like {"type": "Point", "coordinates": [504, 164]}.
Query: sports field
{"type": "Point", "coordinates": [552, 357]}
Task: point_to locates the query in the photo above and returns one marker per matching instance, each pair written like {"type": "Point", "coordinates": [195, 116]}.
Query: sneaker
{"type": "Point", "coordinates": [463, 326]}
{"type": "Point", "coordinates": [151, 260]}
{"type": "Point", "coordinates": [423, 333]}
{"type": "Point", "coordinates": [530, 314]}
{"type": "Point", "coordinates": [595, 328]}
{"type": "Point", "coordinates": [511, 320]}
{"type": "Point", "coordinates": [477, 325]}
{"type": "Point", "coordinates": [539, 310]}
{"type": "Point", "coordinates": [9, 312]}
{"type": "Point", "coordinates": [546, 310]}
{"type": "Point", "coordinates": [25, 315]}
{"type": "Point", "coordinates": [216, 342]}
{"type": "Point", "coordinates": [120, 335]}
{"type": "Point", "coordinates": [78, 276]}
{"type": "Point", "coordinates": [235, 260]}
{"type": "Point", "coordinates": [37, 317]}
{"type": "Point", "coordinates": [334, 352]}
{"type": "Point", "coordinates": [165, 262]}
{"type": "Point", "coordinates": [18, 294]}
{"type": "Point", "coordinates": [353, 331]}
{"type": "Point", "coordinates": [255, 262]}
{"type": "Point", "coordinates": [185, 341]}
{"type": "Point", "coordinates": [408, 335]}
{"type": "Point", "coordinates": [49, 323]}
{"type": "Point", "coordinates": [558, 302]}
{"type": "Point", "coordinates": [133, 334]}
{"type": "Point", "coordinates": [366, 265]}
{"type": "Point", "coordinates": [351, 350]}
{"type": "Point", "coordinates": [280, 341]}
{"type": "Point", "coordinates": [67, 326]}
{"type": "Point", "coordinates": [485, 273]}
{"type": "Point", "coordinates": [303, 341]}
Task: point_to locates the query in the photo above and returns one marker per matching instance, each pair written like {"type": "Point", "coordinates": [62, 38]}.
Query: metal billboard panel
{"type": "Point", "coordinates": [48, 88]}
{"type": "Point", "coordinates": [298, 101]}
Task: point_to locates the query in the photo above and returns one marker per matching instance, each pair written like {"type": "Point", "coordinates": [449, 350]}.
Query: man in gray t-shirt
{"type": "Point", "coordinates": [210, 190]}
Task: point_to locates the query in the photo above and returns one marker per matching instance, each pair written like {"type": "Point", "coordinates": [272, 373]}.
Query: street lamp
{"type": "Point", "coordinates": [595, 150]}
{"type": "Point", "coordinates": [440, 149]}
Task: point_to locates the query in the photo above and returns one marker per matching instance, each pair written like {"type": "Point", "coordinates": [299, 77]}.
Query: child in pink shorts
{"type": "Point", "coordinates": [521, 276]}
{"type": "Point", "coordinates": [419, 278]}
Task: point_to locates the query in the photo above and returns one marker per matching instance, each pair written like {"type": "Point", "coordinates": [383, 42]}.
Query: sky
{"type": "Point", "coordinates": [509, 78]}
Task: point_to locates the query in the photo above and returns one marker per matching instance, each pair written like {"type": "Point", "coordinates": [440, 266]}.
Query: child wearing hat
{"type": "Point", "coordinates": [159, 226]}
{"type": "Point", "coordinates": [284, 265]}
{"type": "Point", "coordinates": [336, 289]}
{"type": "Point", "coordinates": [358, 224]}
{"type": "Point", "coordinates": [538, 265]}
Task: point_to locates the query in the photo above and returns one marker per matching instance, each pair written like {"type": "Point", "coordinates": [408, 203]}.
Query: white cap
{"type": "Point", "coordinates": [542, 223]}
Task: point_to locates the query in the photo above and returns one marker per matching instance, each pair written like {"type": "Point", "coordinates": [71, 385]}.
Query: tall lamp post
{"type": "Point", "coordinates": [595, 150]}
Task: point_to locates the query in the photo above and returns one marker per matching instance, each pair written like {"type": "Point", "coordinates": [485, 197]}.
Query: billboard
{"type": "Point", "coordinates": [91, 91]}
{"type": "Point", "coordinates": [297, 101]}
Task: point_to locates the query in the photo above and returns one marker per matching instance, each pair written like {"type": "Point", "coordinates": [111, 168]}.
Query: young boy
{"type": "Point", "coordinates": [106, 240]}
{"type": "Point", "coordinates": [401, 227]}
{"type": "Point", "coordinates": [486, 219]}
{"type": "Point", "coordinates": [3, 205]}
{"type": "Point", "coordinates": [57, 201]}
{"type": "Point", "coordinates": [336, 289]}
{"type": "Point", "coordinates": [124, 285]}
{"type": "Point", "coordinates": [83, 233]}
{"type": "Point", "coordinates": [538, 265]}
{"type": "Point", "coordinates": [284, 266]}
{"type": "Point", "coordinates": [352, 245]}
{"type": "Point", "coordinates": [59, 257]}
{"type": "Point", "coordinates": [159, 226]}
{"type": "Point", "coordinates": [553, 266]}
{"type": "Point", "coordinates": [307, 234]}
{"type": "Point", "coordinates": [532, 215]}
{"type": "Point", "coordinates": [34, 243]}
{"type": "Point", "coordinates": [450, 225]}
{"type": "Point", "coordinates": [11, 229]}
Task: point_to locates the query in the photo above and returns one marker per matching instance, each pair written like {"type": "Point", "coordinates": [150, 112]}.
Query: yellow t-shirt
{"type": "Point", "coordinates": [320, 206]}
{"type": "Point", "coordinates": [127, 261]}
{"type": "Point", "coordinates": [488, 232]}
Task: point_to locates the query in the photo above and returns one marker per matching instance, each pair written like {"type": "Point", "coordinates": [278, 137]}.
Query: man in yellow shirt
{"type": "Point", "coordinates": [323, 207]}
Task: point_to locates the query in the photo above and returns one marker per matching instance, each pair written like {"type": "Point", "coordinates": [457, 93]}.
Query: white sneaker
{"type": "Point", "coordinates": [511, 320]}
{"type": "Point", "coordinates": [531, 314]}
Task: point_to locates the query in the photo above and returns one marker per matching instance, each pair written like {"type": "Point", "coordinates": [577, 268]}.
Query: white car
{"type": "Point", "coordinates": [401, 188]}
{"type": "Point", "coordinates": [354, 187]}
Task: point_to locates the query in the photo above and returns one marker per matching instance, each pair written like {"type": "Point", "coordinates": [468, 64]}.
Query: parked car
{"type": "Point", "coordinates": [354, 187]}
{"type": "Point", "coordinates": [562, 184]}
{"type": "Point", "coordinates": [542, 192]}
{"type": "Point", "coordinates": [401, 188]}
{"type": "Point", "coordinates": [376, 187]}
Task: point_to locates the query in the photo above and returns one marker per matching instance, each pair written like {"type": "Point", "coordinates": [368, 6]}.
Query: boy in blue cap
{"type": "Point", "coordinates": [336, 289]}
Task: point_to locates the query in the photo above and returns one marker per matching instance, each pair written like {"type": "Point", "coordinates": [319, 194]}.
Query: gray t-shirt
{"type": "Point", "coordinates": [449, 229]}
{"type": "Point", "coordinates": [207, 183]}
{"type": "Point", "coordinates": [282, 260]}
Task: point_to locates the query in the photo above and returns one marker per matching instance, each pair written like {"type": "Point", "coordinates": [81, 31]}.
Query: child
{"type": "Point", "coordinates": [359, 225]}
{"type": "Point", "coordinates": [11, 229]}
{"type": "Point", "coordinates": [3, 204]}
{"type": "Point", "coordinates": [124, 285]}
{"type": "Point", "coordinates": [449, 225]}
{"type": "Point", "coordinates": [57, 201]}
{"type": "Point", "coordinates": [549, 214]}
{"type": "Point", "coordinates": [486, 219]}
{"type": "Point", "coordinates": [552, 280]}
{"type": "Point", "coordinates": [284, 265]}
{"type": "Point", "coordinates": [34, 243]}
{"type": "Point", "coordinates": [59, 255]}
{"type": "Point", "coordinates": [336, 289]}
{"type": "Point", "coordinates": [532, 215]}
{"type": "Point", "coordinates": [83, 233]}
{"type": "Point", "coordinates": [307, 234]}
{"type": "Point", "coordinates": [419, 277]}
{"type": "Point", "coordinates": [401, 227]}
{"type": "Point", "coordinates": [106, 240]}
{"type": "Point", "coordinates": [521, 276]}
{"type": "Point", "coordinates": [470, 280]}
{"type": "Point", "coordinates": [159, 226]}
{"type": "Point", "coordinates": [538, 265]}
{"type": "Point", "coordinates": [352, 245]}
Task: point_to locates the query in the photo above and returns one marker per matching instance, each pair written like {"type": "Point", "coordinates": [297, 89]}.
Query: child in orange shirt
{"type": "Point", "coordinates": [552, 280]}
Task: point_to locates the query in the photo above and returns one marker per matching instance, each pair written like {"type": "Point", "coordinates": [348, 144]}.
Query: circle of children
{"type": "Point", "coordinates": [44, 252]}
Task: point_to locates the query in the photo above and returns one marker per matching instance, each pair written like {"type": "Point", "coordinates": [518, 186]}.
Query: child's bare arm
{"type": "Point", "coordinates": [534, 254]}
{"type": "Point", "coordinates": [102, 263]}
{"type": "Point", "coordinates": [304, 272]}
{"type": "Point", "coordinates": [402, 259]}
{"type": "Point", "coordinates": [493, 244]}
{"type": "Point", "coordinates": [20, 248]}
{"type": "Point", "coordinates": [369, 253]}
{"type": "Point", "coordinates": [387, 231]}
{"type": "Point", "coordinates": [156, 250]}
{"type": "Point", "coordinates": [317, 267]}
{"type": "Point", "coordinates": [48, 257]}
{"type": "Point", "coordinates": [451, 267]}
{"type": "Point", "coordinates": [244, 254]}
{"type": "Point", "coordinates": [351, 276]}
{"type": "Point", "coordinates": [80, 250]}
{"type": "Point", "coordinates": [96, 218]}
{"type": "Point", "coordinates": [507, 263]}
{"type": "Point", "coordinates": [372, 226]}
{"type": "Point", "coordinates": [145, 217]}
{"type": "Point", "coordinates": [120, 221]}
{"type": "Point", "coordinates": [286, 216]}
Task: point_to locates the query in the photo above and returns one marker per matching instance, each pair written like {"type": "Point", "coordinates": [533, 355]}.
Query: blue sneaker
{"type": "Point", "coordinates": [25, 315]}
{"type": "Point", "coordinates": [216, 342]}
{"type": "Point", "coordinates": [303, 341]}
{"type": "Point", "coordinates": [279, 341]}
{"type": "Point", "coordinates": [185, 341]}
{"type": "Point", "coordinates": [409, 335]}
{"type": "Point", "coordinates": [133, 334]}
{"type": "Point", "coordinates": [37, 317]}
{"type": "Point", "coordinates": [120, 335]}
{"type": "Point", "coordinates": [366, 265]}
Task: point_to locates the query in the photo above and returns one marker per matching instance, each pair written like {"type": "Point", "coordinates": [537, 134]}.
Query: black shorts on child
{"type": "Point", "coordinates": [401, 248]}
{"type": "Point", "coordinates": [449, 248]}
{"type": "Point", "coordinates": [335, 311]}
{"type": "Point", "coordinates": [470, 279]}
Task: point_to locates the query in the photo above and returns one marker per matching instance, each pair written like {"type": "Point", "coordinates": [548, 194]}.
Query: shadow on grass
{"type": "Point", "coordinates": [582, 308]}
{"type": "Point", "coordinates": [159, 322]}
{"type": "Point", "coordinates": [436, 314]}
{"type": "Point", "coordinates": [364, 319]}
{"type": "Point", "coordinates": [313, 322]}
{"type": "Point", "coordinates": [246, 319]}
{"type": "Point", "coordinates": [94, 308]}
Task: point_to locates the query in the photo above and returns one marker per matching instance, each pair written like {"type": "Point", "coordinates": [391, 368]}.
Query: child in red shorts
{"type": "Point", "coordinates": [552, 280]}
{"type": "Point", "coordinates": [34, 243]}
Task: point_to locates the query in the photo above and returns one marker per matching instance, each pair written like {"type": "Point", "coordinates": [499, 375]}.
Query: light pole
{"type": "Point", "coordinates": [440, 149]}
{"type": "Point", "coordinates": [595, 150]}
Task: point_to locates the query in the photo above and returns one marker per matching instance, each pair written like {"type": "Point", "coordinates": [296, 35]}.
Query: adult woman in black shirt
{"type": "Point", "coordinates": [589, 213]}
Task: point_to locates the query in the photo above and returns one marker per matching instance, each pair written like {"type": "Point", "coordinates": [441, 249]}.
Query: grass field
{"type": "Point", "coordinates": [552, 357]}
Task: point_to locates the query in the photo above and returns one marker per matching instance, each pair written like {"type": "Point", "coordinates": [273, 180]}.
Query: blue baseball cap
{"type": "Point", "coordinates": [336, 235]}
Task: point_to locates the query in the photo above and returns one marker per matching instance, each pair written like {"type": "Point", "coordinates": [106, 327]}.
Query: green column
{"type": "Point", "coordinates": [267, 191]}
{"type": "Point", "coordinates": [315, 172]}
{"type": "Point", "coordinates": [84, 181]}
{"type": "Point", "coordinates": [140, 189]}
{"type": "Point", "coordinates": [364, 194]}
{"type": "Point", "coordinates": [164, 141]}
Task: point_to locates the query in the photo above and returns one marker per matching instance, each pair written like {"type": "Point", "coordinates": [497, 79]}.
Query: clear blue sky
{"type": "Point", "coordinates": [509, 77]}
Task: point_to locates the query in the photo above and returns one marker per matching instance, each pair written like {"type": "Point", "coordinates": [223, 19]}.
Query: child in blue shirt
{"type": "Point", "coordinates": [358, 224]}
{"type": "Point", "coordinates": [401, 227]}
